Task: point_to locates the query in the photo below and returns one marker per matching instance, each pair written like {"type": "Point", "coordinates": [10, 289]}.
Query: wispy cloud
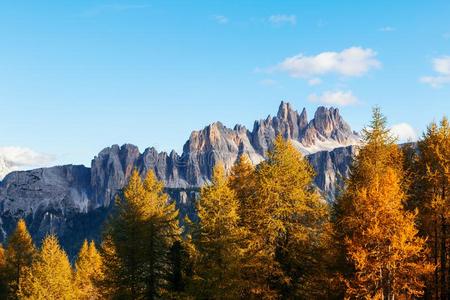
{"type": "Point", "coordinates": [404, 132]}
{"type": "Point", "coordinates": [18, 158]}
{"type": "Point", "coordinates": [268, 82]}
{"type": "Point", "coordinates": [111, 8]}
{"type": "Point", "coordinates": [351, 62]}
{"type": "Point", "coordinates": [220, 19]}
{"type": "Point", "coordinates": [386, 29]}
{"type": "Point", "coordinates": [441, 66]}
{"type": "Point", "coordinates": [339, 98]}
{"type": "Point", "coordinates": [283, 19]}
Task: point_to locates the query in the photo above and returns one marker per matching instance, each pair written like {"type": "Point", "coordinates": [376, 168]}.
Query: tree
{"type": "Point", "coordinates": [3, 279]}
{"type": "Point", "coordinates": [88, 271]}
{"type": "Point", "coordinates": [286, 222]}
{"type": "Point", "coordinates": [430, 189]}
{"type": "Point", "coordinates": [19, 255]}
{"type": "Point", "coordinates": [138, 239]}
{"type": "Point", "coordinates": [291, 220]}
{"type": "Point", "coordinates": [50, 276]}
{"type": "Point", "coordinates": [381, 242]}
{"type": "Point", "coordinates": [218, 242]}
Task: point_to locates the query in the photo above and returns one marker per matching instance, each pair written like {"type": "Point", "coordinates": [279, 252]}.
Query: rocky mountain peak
{"type": "Point", "coordinates": [61, 198]}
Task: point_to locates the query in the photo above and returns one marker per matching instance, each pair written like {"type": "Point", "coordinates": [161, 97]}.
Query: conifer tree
{"type": "Point", "coordinates": [88, 271]}
{"type": "Point", "coordinates": [3, 279]}
{"type": "Point", "coordinates": [290, 220]}
{"type": "Point", "coordinates": [382, 246]}
{"type": "Point", "coordinates": [19, 255]}
{"type": "Point", "coordinates": [50, 276]}
{"type": "Point", "coordinates": [430, 189]}
{"type": "Point", "coordinates": [137, 242]}
{"type": "Point", "coordinates": [218, 242]}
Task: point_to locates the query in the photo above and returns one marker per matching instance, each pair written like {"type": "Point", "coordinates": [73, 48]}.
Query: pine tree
{"type": "Point", "coordinates": [218, 242]}
{"type": "Point", "coordinates": [88, 271]}
{"type": "Point", "coordinates": [137, 243]}
{"type": "Point", "coordinates": [430, 189]}
{"type": "Point", "coordinates": [19, 255]}
{"type": "Point", "coordinates": [386, 255]}
{"type": "Point", "coordinates": [50, 276]}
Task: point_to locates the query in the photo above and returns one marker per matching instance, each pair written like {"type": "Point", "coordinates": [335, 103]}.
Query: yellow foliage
{"type": "Point", "coordinates": [382, 242]}
{"type": "Point", "coordinates": [88, 271]}
{"type": "Point", "coordinates": [218, 242]}
{"type": "Point", "coordinates": [50, 276]}
{"type": "Point", "coordinates": [19, 255]}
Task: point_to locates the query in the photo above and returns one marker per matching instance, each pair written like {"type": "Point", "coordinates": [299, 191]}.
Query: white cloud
{"type": "Point", "coordinates": [351, 62]}
{"type": "Point", "coordinates": [220, 19]}
{"type": "Point", "coordinates": [404, 132]}
{"type": "Point", "coordinates": [19, 158]}
{"type": "Point", "coordinates": [387, 29]}
{"type": "Point", "coordinates": [283, 19]}
{"type": "Point", "coordinates": [441, 65]}
{"type": "Point", "coordinates": [339, 98]}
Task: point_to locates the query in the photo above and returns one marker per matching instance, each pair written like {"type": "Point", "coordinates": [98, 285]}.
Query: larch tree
{"type": "Point", "coordinates": [386, 255]}
{"type": "Point", "coordinates": [430, 191]}
{"type": "Point", "coordinates": [50, 275]}
{"type": "Point", "coordinates": [291, 221]}
{"type": "Point", "coordinates": [3, 279]}
{"type": "Point", "coordinates": [19, 255]}
{"type": "Point", "coordinates": [218, 242]}
{"type": "Point", "coordinates": [88, 272]}
{"type": "Point", "coordinates": [138, 239]}
{"type": "Point", "coordinates": [286, 224]}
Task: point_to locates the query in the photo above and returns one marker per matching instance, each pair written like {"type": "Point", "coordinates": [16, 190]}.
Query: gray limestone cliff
{"type": "Point", "coordinates": [73, 201]}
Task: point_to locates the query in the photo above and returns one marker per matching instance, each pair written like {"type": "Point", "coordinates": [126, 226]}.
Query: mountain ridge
{"type": "Point", "coordinates": [55, 199]}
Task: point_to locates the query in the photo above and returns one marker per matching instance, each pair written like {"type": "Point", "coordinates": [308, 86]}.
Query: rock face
{"type": "Point", "coordinates": [72, 201]}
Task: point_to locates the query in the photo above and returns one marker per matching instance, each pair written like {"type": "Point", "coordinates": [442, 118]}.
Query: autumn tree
{"type": "Point", "coordinates": [50, 275]}
{"type": "Point", "coordinates": [3, 279]}
{"type": "Point", "coordinates": [138, 239]}
{"type": "Point", "coordinates": [218, 242]}
{"type": "Point", "coordinates": [430, 189]}
{"type": "Point", "coordinates": [381, 241]}
{"type": "Point", "coordinates": [19, 255]}
{"type": "Point", "coordinates": [88, 271]}
{"type": "Point", "coordinates": [286, 222]}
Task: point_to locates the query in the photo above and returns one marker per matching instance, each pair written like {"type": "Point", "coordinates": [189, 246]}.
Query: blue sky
{"type": "Point", "coordinates": [77, 76]}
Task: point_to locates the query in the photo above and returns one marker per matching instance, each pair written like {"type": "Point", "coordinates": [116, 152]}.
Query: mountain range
{"type": "Point", "coordinates": [73, 201]}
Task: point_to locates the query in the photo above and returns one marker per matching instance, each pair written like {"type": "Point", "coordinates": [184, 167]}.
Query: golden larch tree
{"type": "Point", "coordinates": [138, 239]}
{"type": "Point", "coordinates": [19, 255]}
{"type": "Point", "coordinates": [88, 272]}
{"type": "Point", "coordinates": [430, 189]}
{"type": "Point", "coordinates": [50, 275]}
{"type": "Point", "coordinates": [218, 242]}
{"type": "Point", "coordinates": [386, 255]}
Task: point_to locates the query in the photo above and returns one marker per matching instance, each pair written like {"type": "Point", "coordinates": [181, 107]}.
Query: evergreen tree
{"type": "Point", "coordinates": [88, 271]}
{"type": "Point", "coordinates": [382, 246]}
{"type": "Point", "coordinates": [218, 242]}
{"type": "Point", "coordinates": [50, 276]}
{"type": "Point", "coordinates": [430, 189]}
{"type": "Point", "coordinates": [137, 242]}
{"type": "Point", "coordinates": [19, 255]}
